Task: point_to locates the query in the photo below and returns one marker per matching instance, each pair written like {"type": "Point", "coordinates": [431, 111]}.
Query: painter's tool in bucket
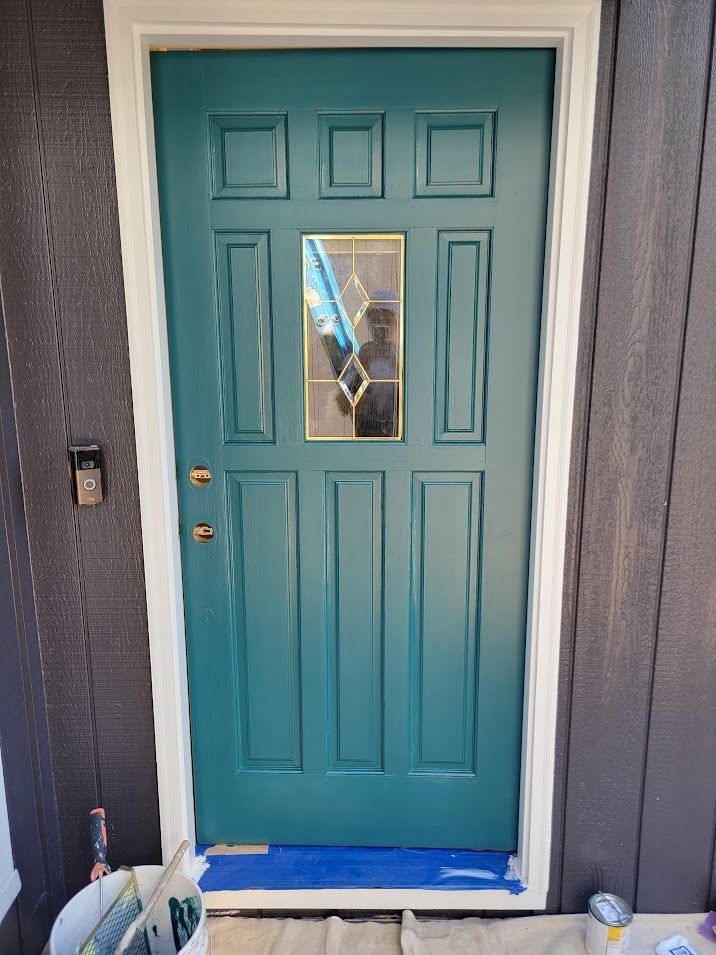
{"type": "Point", "coordinates": [98, 838]}
{"type": "Point", "coordinates": [105, 936]}
{"type": "Point", "coordinates": [135, 934]}
{"type": "Point", "coordinates": [609, 920]}
{"type": "Point", "coordinates": [177, 925]}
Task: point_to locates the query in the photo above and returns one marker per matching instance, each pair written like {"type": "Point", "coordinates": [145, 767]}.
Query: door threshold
{"type": "Point", "coordinates": [237, 878]}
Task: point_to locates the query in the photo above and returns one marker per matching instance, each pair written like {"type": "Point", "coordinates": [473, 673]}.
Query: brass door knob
{"type": "Point", "coordinates": [203, 533]}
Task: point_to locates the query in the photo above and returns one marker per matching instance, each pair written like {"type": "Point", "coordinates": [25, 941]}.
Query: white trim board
{"type": "Point", "coordinates": [493, 900]}
{"type": "Point", "coordinates": [571, 27]}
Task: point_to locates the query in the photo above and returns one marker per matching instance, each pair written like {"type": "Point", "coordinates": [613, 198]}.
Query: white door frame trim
{"type": "Point", "coordinates": [571, 27]}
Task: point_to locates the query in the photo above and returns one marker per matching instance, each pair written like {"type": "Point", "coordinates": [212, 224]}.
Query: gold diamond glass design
{"type": "Point", "coordinates": [355, 299]}
{"type": "Point", "coordinates": [353, 290]}
{"type": "Point", "coordinates": [353, 380]}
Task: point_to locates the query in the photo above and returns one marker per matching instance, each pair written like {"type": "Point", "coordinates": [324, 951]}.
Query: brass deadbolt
{"type": "Point", "coordinates": [200, 476]}
{"type": "Point", "coordinates": [203, 533]}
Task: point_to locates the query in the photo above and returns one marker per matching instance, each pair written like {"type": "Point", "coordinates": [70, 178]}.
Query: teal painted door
{"type": "Point", "coordinates": [353, 250]}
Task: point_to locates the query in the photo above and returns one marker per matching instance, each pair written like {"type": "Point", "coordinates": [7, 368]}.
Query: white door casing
{"type": "Point", "coordinates": [571, 27]}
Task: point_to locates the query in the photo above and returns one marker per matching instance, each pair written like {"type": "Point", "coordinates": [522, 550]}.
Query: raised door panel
{"type": "Point", "coordinates": [244, 306]}
{"type": "Point", "coordinates": [446, 542]}
{"type": "Point", "coordinates": [454, 153]}
{"type": "Point", "coordinates": [248, 153]}
{"type": "Point", "coordinates": [350, 155]}
{"type": "Point", "coordinates": [263, 540]}
{"type": "Point", "coordinates": [461, 339]}
{"type": "Point", "coordinates": [354, 505]}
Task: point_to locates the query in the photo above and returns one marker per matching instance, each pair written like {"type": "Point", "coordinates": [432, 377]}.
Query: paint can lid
{"type": "Point", "coordinates": [610, 909]}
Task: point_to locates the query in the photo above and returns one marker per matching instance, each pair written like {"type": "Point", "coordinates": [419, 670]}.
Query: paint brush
{"type": "Point", "coordinates": [98, 838]}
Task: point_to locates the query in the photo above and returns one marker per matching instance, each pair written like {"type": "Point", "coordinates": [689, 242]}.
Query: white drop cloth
{"type": "Point", "coordinates": [538, 935]}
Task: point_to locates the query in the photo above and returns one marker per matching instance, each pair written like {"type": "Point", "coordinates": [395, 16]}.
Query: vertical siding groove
{"type": "Point", "coordinates": [684, 329]}
{"type": "Point", "coordinates": [23, 726]}
{"type": "Point", "coordinates": [62, 370]}
{"type": "Point", "coordinates": [609, 29]}
{"type": "Point", "coordinates": [663, 883]}
{"type": "Point", "coordinates": [62, 295]}
{"type": "Point", "coordinates": [74, 110]}
{"type": "Point", "coordinates": [653, 164]}
{"type": "Point", "coordinates": [672, 450]}
{"type": "Point", "coordinates": [32, 346]}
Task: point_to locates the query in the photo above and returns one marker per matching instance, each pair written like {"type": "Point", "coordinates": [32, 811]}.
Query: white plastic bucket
{"type": "Point", "coordinates": [81, 914]}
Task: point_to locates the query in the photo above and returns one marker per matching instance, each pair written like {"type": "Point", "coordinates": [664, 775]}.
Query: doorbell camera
{"type": "Point", "coordinates": [87, 471]}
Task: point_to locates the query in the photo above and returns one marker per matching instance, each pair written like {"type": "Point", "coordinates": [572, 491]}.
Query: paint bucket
{"type": "Point", "coordinates": [609, 920]}
{"type": "Point", "coordinates": [81, 914]}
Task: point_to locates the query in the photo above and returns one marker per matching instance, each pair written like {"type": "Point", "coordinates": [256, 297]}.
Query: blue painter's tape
{"type": "Point", "coordinates": [347, 867]}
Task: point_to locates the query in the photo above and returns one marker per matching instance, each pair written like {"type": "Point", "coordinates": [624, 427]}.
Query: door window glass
{"type": "Point", "coordinates": [353, 334]}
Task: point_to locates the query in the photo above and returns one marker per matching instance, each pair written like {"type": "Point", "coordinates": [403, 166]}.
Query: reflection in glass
{"type": "Point", "coordinates": [353, 308]}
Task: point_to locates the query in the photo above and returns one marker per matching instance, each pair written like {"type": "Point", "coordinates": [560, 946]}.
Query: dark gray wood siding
{"type": "Point", "coordinates": [635, 787]}
{"type": "Point", "coordinates": [60, 270]}
{"type": "Point", "coordinates": [636, 803]}
{"type": "Point", "coordinates": [27, 768]}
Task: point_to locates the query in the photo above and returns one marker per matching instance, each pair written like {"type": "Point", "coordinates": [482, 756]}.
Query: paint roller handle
{"type": "Point", "coordinates": [98, 837]}
{"type": "Point", "coordinates": [137, 926]}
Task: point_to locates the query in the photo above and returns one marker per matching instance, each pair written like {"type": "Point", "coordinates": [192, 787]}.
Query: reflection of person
{"type": "Point", "coordinates": [377, 408]}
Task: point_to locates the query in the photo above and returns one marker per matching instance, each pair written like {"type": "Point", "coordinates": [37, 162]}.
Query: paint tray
{"type": "Point", "coordinates": [108, 932]}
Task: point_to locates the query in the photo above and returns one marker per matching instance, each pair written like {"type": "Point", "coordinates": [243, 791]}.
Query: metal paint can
{"type": "Point", "coordinates": [609, 921]}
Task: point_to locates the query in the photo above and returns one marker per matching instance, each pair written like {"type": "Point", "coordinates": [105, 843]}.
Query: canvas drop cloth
{"type": "Point", "coordinates": [540, 935]}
